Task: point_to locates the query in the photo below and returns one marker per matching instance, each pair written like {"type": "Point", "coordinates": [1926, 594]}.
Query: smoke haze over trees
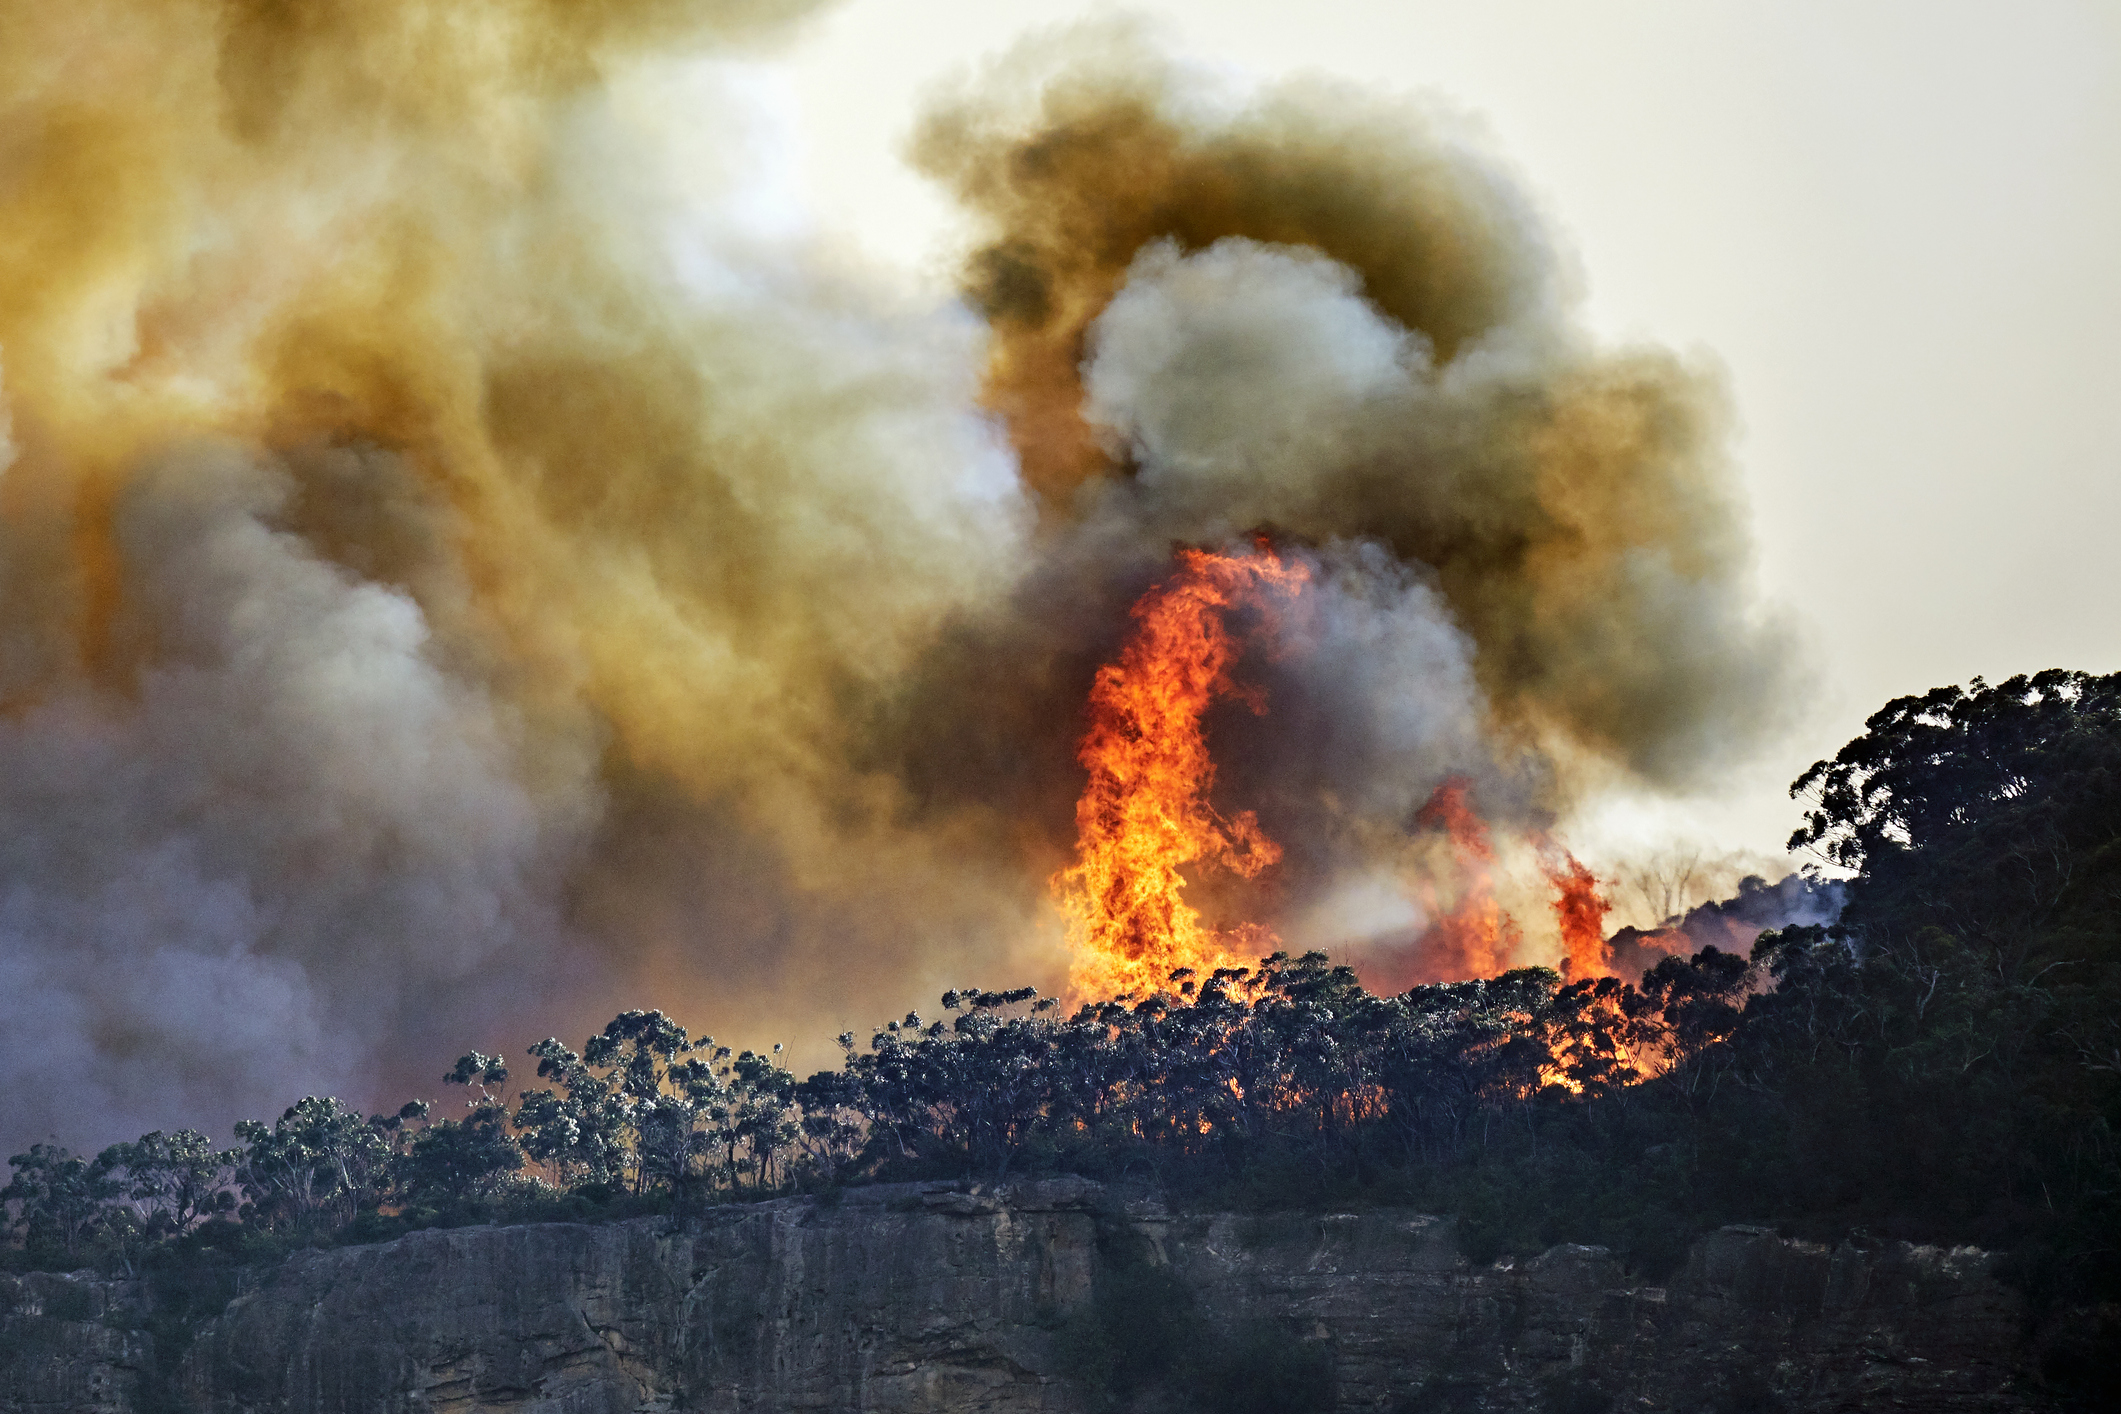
{"type": "Point", "coordinates": [460, 570]}
{"type": "Point", "coordinates": [1942, 1064]}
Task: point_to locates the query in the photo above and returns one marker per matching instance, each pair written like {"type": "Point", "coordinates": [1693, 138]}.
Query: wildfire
{"type": "Point", "coordinates": [1144, 814]}
{"type": "Point", "coordinates": [1594, 1048]}
{"type": "Point", "coordinates": [1581, 911]}
{"type": "Point", "coordinates": [1475, 938]}
{"type": "Point", "coordinates": [1478, 937]}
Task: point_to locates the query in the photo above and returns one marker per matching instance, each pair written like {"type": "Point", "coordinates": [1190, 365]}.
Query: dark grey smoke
{"type": "Point", "coordinates": [1730, 925]}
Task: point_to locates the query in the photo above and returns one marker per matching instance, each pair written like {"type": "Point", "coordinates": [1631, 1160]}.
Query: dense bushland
{"type": "Point", "coordinates": [1944, 1064]}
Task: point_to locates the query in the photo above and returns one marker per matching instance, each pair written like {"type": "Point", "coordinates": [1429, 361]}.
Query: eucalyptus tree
{"type": "Point", "coordinates": [446, 1161]}
{"type": "Point", "coordinates": [314, 1164]}
{"type": "Point", "coordinates": [173, 1180]}
{"type": "Point", "coordinates": [59, 1198]}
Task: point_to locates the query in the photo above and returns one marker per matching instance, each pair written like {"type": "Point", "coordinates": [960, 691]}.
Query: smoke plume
{"type": "Point", "coordinates": [461, 577]}
{"type": "Point", "coordinates": [1729, 925]}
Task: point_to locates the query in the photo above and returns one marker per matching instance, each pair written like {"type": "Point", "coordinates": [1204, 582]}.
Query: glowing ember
{"type": "Point", "coordinates": [1581, 911]}
{"type": "Point", "coordinates": [1144, 815]}
{"type": "Point", "coordinates": [1476, 938]}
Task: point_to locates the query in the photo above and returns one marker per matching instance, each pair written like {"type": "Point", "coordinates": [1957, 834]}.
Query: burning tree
{"type": "Point", "coordinates": [1940, 1064]}
{"type": "Point", "coordinates": [1144, 813]}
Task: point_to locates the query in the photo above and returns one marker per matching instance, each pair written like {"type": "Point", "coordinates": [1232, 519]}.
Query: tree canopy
{"type": "Point", "coordinates": [1941, 1064]}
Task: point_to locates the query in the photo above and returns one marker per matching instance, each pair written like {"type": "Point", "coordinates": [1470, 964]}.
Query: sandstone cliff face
{"type": "Point", "coordinates": [909, 1298]}
{"type": "Point", "coordinates": [60, 1350]}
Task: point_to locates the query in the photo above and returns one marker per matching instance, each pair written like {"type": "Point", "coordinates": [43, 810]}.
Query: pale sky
{"type": "Point", "coordinates": [1894, 225]}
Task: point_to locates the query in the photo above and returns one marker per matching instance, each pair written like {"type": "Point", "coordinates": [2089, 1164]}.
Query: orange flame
{"type": "Point", "coordinates": [1597, 1046]}
{"type": "Point", "coordinates": [1476, 938]}
{"type": "Point", "coordinates": [1144, 813]}
{"type": "Point", "coordinates": [1581, 911]}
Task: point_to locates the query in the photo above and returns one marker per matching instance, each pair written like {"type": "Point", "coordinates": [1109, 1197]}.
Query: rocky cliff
{"type": "Point", "coordinates": [907, 1298]}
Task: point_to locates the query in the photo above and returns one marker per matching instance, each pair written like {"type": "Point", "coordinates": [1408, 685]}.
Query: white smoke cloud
{"type": "Point", "coordinates": [1238, 372]}
{"type": "Point", "coordinates": [1239, 378]}
{"type": "Point", "coordinates": [1376, 705]}
{"type": "Point", "coordinates": [1375, 683]}
{"type": "Point", "coordinates": [225, 882]}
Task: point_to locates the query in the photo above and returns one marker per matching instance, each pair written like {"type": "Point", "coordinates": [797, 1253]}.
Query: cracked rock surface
{"type": "Point", "coordinates": [948, 1299]}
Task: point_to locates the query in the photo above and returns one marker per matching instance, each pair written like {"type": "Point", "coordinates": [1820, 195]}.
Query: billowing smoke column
{"type": "Point", "coordinates": [1327, 319]}
{"type": "Point", "coordinates": [459, 578]}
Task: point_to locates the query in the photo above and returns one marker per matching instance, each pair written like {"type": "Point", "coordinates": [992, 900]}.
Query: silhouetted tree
{"type": "Point", "coordinates": [59, 1197]}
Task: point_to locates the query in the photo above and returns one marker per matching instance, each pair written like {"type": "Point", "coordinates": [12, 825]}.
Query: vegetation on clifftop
{"type": "Point", "coordinates": [1943, 1064]}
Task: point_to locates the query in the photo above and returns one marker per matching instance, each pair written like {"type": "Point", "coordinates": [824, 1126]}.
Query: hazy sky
{"type": "Point", "coordinates": [1894, 225]}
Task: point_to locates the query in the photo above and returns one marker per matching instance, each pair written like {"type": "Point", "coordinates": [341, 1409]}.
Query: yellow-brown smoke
{"type": "Point", "coordinates": [459, 578]}
{"type": "Point", "coordinates": [1573, 504]}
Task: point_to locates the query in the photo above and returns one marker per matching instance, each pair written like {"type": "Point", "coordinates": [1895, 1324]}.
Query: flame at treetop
{"type": "Point", "coordinates": [1144, 813]}
{"type": "Point", "coordinates": [1476, 938]}
{"type": "Point", "coordinates": [1581, 911]}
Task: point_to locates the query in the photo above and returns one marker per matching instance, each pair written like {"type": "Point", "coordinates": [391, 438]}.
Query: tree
{"type": "Point", "coordinates": [451, 1160]}
{"type": "Point", "coordinates": [577, 1129]}
{"type": "Point", "coordinates": [643, 1101]}
{"type": "Point", "coordinates": [317, 1161]}
{"type": "Point", "coordinates": [1989, 815]}
{"type": "Point", "coordinates": [59, 1197]}
{"type": "Point", "coordinates": [1698, 1004]}
{"type": "Point", "coordinates": [176, 1179]}
{"type": "Point", "coordinates": [1957, 1025]}
{"type": "Point", "coordinates": [760, 1113]}
{"type": "Point", "coordinates": [1925, 767]}
{"type": "Point", "coordinates": [832, 1127]}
